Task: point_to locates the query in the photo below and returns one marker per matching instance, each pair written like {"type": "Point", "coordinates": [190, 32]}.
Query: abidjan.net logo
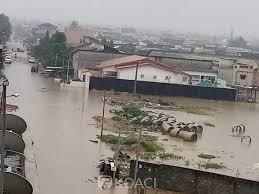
{"type": "Point", "coordinates": [106, 182]}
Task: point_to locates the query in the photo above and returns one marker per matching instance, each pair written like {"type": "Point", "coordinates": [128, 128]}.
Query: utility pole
{"type": "Point", "coordinates": [136, 78]}
{"type": "Point", "coordinates": [3, 111]}
{"type": "Point", "coordinates": [137, 160]}
{"type": "Point", "coordinates": [116, 158]}
{"type": "Point", "coordinates": [56, 59]}
{"type": "Point", "coordinates": [104, 101]}
{"type": "Point", "coordinates": [63, 68]}
{"type": "Point", "coordinates": [67, 71]}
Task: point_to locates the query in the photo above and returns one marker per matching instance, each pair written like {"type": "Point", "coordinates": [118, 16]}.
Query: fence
{"type": "Point", "coordinates": [190, 181]}
{"type": "Point", "coordinates": [153, 88]}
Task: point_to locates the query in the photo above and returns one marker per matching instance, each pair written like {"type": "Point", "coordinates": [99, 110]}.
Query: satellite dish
{"type": "Point", "coordinates": [14, 123]}
{"type": "Point", "coordinates": [16, 184]}
{"type": "Point", "coordinates": [13, 141]}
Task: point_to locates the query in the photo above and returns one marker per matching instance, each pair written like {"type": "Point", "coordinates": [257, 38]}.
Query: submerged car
{"type": "Point", "coordinates": [32, 60]}
{"type": "Point", "coordinates": [34, 68]}
{"type": "Point", "coordinates": [8, 60]}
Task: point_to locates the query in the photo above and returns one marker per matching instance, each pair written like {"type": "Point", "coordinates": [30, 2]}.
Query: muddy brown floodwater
{"type": "Point", "coordinates": [60, 125]}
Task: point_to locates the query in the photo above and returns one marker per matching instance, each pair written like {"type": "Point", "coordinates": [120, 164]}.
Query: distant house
{"type": "Point", "coordinates": [146, 69]}
{"type": "Point", "coordinates": [90, 53]}
{"type": "Point", "coordinates": [199, 68]}
{"type": "Point", "coordinates": [74, 35]}
{"type": "Point", "coordinates": [244, 74]}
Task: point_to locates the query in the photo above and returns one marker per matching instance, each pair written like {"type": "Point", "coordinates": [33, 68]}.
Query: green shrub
{"type": "Point", "coordinates": [152, 146]}
{"type": "Point", "coordinates": [133, 111]}
{"type": "Point", "coordinates": [206, 156]}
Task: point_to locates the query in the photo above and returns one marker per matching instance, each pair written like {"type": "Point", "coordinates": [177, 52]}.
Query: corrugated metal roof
{"type": "Point", "coordinates": [127, 61]}
{"type": "Point", "coordinates": [122, 60]}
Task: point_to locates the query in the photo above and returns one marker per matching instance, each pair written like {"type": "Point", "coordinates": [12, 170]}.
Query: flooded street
{"type": "Point", "coordinates": [60, 124]}
{"type": "Point", "coordinates": [60, 130]}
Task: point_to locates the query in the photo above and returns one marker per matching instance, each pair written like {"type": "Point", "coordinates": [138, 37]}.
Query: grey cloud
{"type": "Point", "coordinates": [202, 16]}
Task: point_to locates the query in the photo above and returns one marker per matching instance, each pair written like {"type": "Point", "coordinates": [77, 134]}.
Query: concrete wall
{"type": "Point", "coordinates": [190, 181]}
{"type": "Point", "coordinates": [150, 73]}
{"type": "Point", "coordinates": [256, 78]}
{"type": "Point", "coordinates": [153, 88]}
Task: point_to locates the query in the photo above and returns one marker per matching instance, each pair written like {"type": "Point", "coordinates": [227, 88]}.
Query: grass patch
{"type": "Point", "coordinates": [130, 141]}
{"type": "Point", "coordinates": [190, 109]}
{"type": "Point", "coordinates": [209, 124]}
{"type": "Point", "coordinates": [148, 146]}
{"type": "Point", "coordinates": [212, 166]}
{"type": "Point", "coordinates": [131, 111]}
{"type": "Point", "coordinates": [152, 146]}
{"type": "Point", "coordinates": [170, 156]}
{"type": "Point", "coordinates": [206, 156]}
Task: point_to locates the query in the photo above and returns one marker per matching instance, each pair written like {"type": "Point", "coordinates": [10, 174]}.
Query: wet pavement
{"type": "Point", "coordinates": [60, 156]}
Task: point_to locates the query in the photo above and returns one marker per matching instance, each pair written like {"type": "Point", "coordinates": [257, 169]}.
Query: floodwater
{"type": "Point", "coordinates": [60, 126]}
{"type": "Point", "coordinates": [238, 158]}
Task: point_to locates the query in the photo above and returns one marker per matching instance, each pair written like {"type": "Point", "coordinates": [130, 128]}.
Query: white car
{"type": "Point", "coordinates": [8, 60]}
{"type": "Point", "coordinates": [32, 60]}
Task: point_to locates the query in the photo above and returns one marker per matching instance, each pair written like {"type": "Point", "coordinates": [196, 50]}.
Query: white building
{"type": "Point", "coordinates": [198, 76]}
{"type": "Point", "coordinates": [146, 70]}
{"type": "Point", "coordinates": [244, 73]}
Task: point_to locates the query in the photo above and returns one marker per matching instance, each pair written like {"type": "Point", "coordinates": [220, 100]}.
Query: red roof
{"type": "Point", "coordinates": [129, 61]}
{"type": "Point", "coordinates": [122, 61]}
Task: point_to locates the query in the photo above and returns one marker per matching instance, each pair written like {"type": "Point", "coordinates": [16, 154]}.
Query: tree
{"type": "Point", "coordinates": [111, 43]}
{"type": "Point", "coordinates": [47, 35]}
{"type": "Point", "coordinates": [104, 41]}
{"type": "Point", "coordinates": [52, 50]}
{"type": "Point", "coordinates": [238, 42]}
{"type": "Point", "coordinates": [5, 28]}
{"type": "Point", "coordinates": [74, 24]}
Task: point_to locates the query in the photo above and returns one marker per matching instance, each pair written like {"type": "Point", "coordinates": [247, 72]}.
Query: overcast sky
{"type": "Point", "coordinates": [202, 16]}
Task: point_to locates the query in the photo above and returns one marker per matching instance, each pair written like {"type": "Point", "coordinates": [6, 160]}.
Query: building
{"type": "Point", "coordinates": [90, 53]}
{"type": "Point", "coordinates": [144, 68]}
{"type": "Point", "coordinates": [75, 35]}
{"type": "Point", "coordinates": [199, 68]}
{"type": "Point", "coordinates": [197, 77]}
{"type": "Point", "coordinates": [244, 74]}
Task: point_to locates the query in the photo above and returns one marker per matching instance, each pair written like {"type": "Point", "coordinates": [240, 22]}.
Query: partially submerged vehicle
{"type": "Point", "coordinates": [34, 68]}
{"type": "Point", "coordinates": [107, 167]}
{"type": "Point", "coordinates": [8, 59]}
{"type": "Point", "coordinates": [32, 60]}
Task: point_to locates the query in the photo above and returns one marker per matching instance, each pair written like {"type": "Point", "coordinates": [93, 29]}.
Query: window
{"type": "Point", "coordinates": [251, 67]}
{"type": "Point", "coordinates": [202, 77]}
{"type": "Point", "coordinates": [168, 77]}
{"type": "Point", "coordinates": [244, 66]}
{"type": "Point", "coordinates": [185, 79]}
{"type": "Point", "coordinates": [154, 77]}
{"type": "Point", "coordinates": [142, 76]}
{"type": "Point", "coordinates": [242, 77]}
{"type": "Point", "coordinates": [196, 78]}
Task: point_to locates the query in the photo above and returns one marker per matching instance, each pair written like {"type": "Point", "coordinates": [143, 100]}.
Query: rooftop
{"type": "Point", "coordinates": [122, 60]}
{"type": "Point", "coordinates": [128, 61]}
